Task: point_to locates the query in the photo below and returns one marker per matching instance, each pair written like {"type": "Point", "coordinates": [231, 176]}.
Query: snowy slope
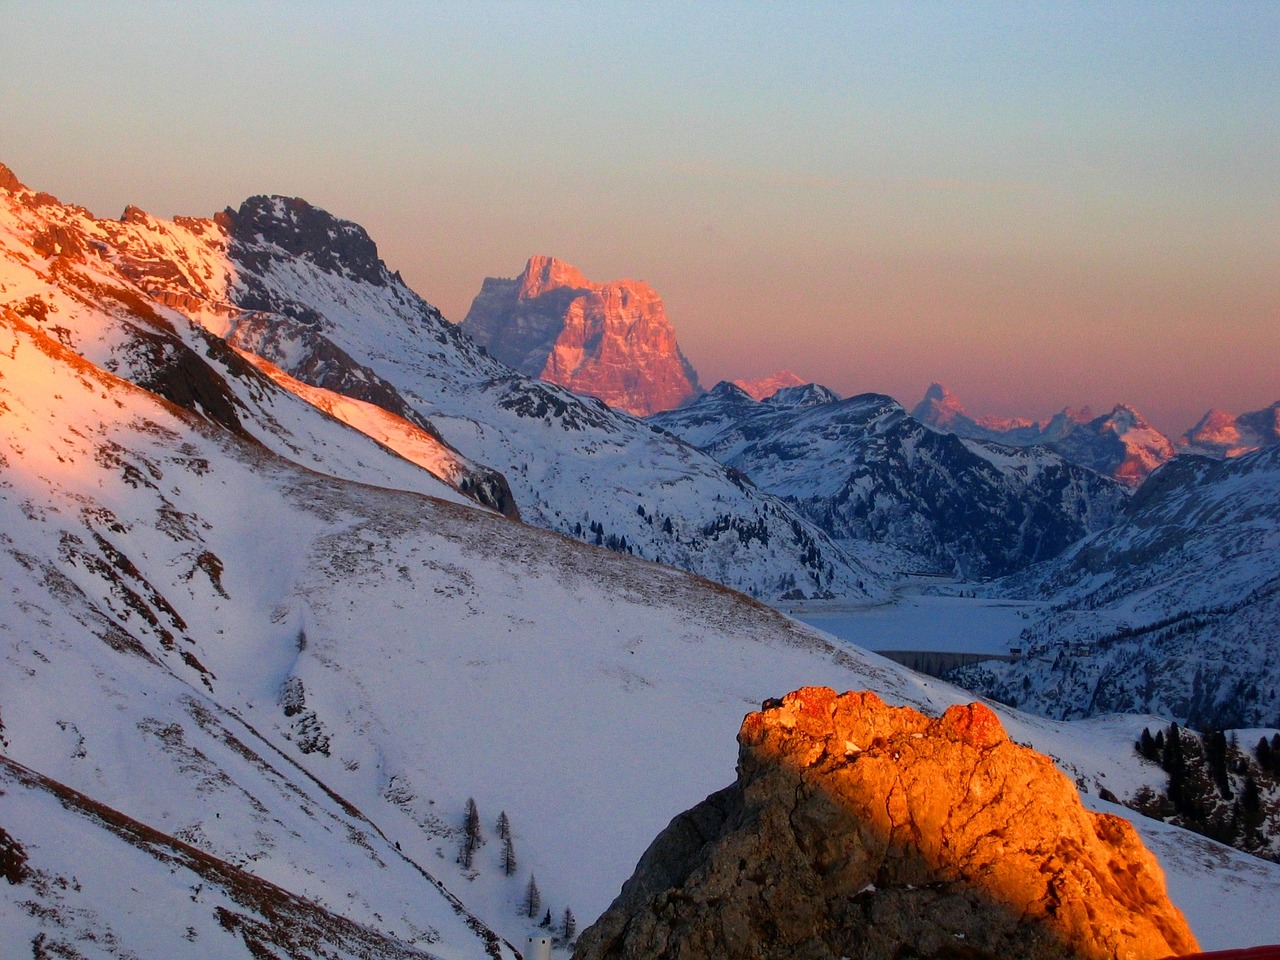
{"type": "Point", "coordinates": [83, 297]}
{"type": "Point", "coordinates": [861, 469]}
{"type": "Point", "coordinates": [100, 884]}
{"type": "Point", "coordinates": [145, 553]}
{"type": "Point", "coordinates": [1172, 611]}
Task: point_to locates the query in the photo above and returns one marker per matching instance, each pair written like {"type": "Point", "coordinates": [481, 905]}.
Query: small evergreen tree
{"type": "Point", "coordinates": [546, 921]}
{"type": "Point", "coordinates": [471, 835]}
{"type": "Point", "coordinates": [509, 862]}
{"type": "Point", "coordinates": [472, 823]}
{"type": "Point", "coordinates": [504, 825]}
{"type": "Point", "coordinates": [569, 925]}
{"type": "Point", "coordinates": [532, 902]}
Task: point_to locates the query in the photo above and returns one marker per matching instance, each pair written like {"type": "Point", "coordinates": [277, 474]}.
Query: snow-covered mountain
{"type": "Point", "coordinates": [1171, 611]}
{"type": "Point", "coordinates": [292, 285]}
{"type": "Point", "coordinates": [862, 469]}
{"type": "Point", "coordinates": [246, 697]}
{"type": "Point", "coordinates": [1120, 444]}
{"type": "Point", "coordinates": [1219, 434]}
{"type": "Point", "coordinates": [607, 340]}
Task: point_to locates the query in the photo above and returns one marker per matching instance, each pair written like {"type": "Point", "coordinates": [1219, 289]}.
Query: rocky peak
{"type": "Point", "coordinates": [1120, 444]}
{"type": "Point", "coordinates": [728, 390]}
{"type": "Point", "coordinates": [940, 408]}
{"type": "Point", "coordinates": [860, 830]}
{"type": "Point", "coordinates": [767, 386]}
{"type": "Point", "coordinates": [9, 181]}
{"type": "Point", "coordinates": [1124, 418]}
{"type": "Point", "coordinates": [301, 230]}
{"type": "Point", "coordinates": [1219, 434]}
{"type": "Point", "coordinates": [543, 273]}
{"type": "Point", "coordinates": [607, 340]}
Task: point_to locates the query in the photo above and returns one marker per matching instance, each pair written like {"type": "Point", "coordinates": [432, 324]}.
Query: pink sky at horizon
{"type": "Point", "coordinates": [1037, 206]}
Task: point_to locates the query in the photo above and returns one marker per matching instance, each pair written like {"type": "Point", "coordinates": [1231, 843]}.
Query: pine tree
{"type": "Point", "coordinates": [471, 835]}
{"type": "Point", "coordinates": [546, 921]}
{"type": "Point", "coordinates": [532, 899]}
{"type": "Point", "coordinates": [568, 925]}
{"type": "Point", "coordinates": [504, 826]}
{"type": "Point", "coordinates": [472, 826]}
{"type": "Point", "coordinates": [509, 862]}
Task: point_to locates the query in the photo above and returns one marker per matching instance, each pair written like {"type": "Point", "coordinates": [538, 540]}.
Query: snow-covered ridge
{"type": "Point", "coordinates": [1119, 444]}
{"type": "Point", "coordinates": [863, 470]}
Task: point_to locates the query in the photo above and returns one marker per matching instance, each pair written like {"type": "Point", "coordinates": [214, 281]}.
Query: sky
{"type": "Point", "coordinates": [1039, 204]}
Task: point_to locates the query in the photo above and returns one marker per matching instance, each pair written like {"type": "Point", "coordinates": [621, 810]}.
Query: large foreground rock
{"type": "Point", "coordinates": [861, 830]}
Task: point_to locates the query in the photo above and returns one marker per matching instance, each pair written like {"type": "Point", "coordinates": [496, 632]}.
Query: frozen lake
{"type": "Point", "coordinates": [922, 622]}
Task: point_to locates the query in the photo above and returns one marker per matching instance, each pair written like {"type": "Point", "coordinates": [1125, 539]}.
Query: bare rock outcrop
{"type": "Point", "coordinates": [861, 830]}
{"type": "Point", "coordinates": [607, 340]}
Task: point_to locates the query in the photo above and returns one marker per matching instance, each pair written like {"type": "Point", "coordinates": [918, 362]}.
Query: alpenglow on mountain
{"type": "Point", "coordinates": [607, 340]}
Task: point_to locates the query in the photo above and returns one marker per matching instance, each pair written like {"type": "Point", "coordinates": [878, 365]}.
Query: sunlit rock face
{"type": "Point", "coordinates": [1219, 434]}
{"type": "Point", "coordinates": [861, 830]}
{"type": "Point", "coordinates": [607, 340]}
{"type": "Point", "coordinates": [766, 387]}
{"type": "Point", "coordinates": [1120, 444]}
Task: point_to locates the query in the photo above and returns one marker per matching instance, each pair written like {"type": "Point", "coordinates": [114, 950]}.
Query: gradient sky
{"type": "Point", "coordinates": [1039, 204]}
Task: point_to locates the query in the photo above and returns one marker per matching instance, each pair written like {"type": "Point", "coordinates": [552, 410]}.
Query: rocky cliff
{"type": "Point", "coordinates": [607, 340]}
{"type": "Point", "coordinates": [861, 830]}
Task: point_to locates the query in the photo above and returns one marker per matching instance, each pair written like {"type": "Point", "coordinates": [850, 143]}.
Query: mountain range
{"type": "Point", "coordinates": [1120, 444]}
{"type": "Point", "coordinates": [863, 470]}
{"type": "Point", "coordinates": [280, 602]}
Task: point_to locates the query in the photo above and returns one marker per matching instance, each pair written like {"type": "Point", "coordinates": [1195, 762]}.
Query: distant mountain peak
{"type": "Point", "coordinates": [1219, 434]}
{"type": "Point", "coordinates": [543, 273]}
{"type": "Point", "coordinates": [765, 387]}
{"type": "Point", "coordinates": [607, 340]}
{"type": "Point", "coordinates": [729, 389]}
{"type": "Point", "coordinates": [9, 181]}
{"type": "Point", "coordinates": [940, 409]}
{"type": "Point", "coordinates": [940, 393]}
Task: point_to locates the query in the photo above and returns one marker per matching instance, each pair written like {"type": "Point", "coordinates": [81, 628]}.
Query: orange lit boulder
{"type": "Point", "coordinates": [860, 830]}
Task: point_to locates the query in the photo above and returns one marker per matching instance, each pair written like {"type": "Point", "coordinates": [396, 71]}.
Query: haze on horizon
{"type": "Point", "coordinates": [1039, 206]}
